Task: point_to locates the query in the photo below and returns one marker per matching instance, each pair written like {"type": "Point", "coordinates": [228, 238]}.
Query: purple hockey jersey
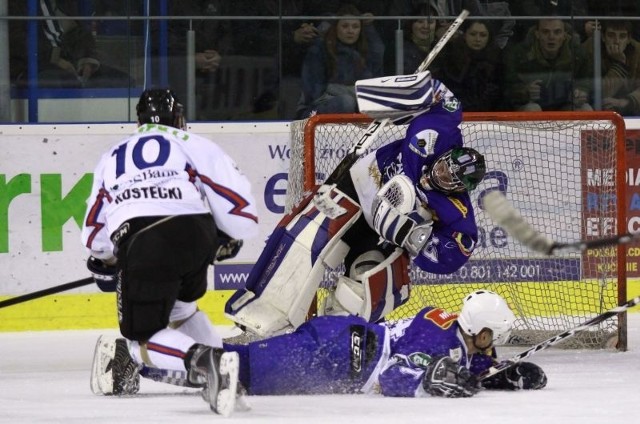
{"type": "Point", "coordinates": [346, 354]}
{"type": "Point", "coordinates": [428, 136]}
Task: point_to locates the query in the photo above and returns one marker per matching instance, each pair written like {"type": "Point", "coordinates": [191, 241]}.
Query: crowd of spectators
{"type": "Point", "coordinates": [287, 59]}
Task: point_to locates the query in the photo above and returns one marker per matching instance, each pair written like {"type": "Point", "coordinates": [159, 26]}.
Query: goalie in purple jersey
{"type": "Point", "coordinates": [407, 201]}
{"type": "Point", "coordinates": [434, 353]}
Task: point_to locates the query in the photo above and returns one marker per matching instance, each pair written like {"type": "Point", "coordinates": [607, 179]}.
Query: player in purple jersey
{"type": "Point", "coordinates": [407, 201]}
{"type": "Point", "coordinates": [165, 204]}
{"type": "Point", "coordinates": [434, 353]}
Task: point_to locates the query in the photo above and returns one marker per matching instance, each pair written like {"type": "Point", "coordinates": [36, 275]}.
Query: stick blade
{"type": "Point", "coordinates": [508, 217]}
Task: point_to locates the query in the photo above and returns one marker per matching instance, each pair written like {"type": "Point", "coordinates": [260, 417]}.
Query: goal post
{"type": "Point", "coordinates": [564, 171]}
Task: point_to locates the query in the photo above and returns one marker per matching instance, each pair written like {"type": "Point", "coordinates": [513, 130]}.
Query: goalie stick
{"type": "Point", "coordinates": [503, 365]}
{"type": "Point", "coordinates": [373, 130]}
{"type": "Point", "coordinates": [505, 214]}
{"type": "Point", "coordinates": [322, 199]}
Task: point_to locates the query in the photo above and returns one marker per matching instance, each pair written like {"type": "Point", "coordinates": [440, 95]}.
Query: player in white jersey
{"type": "Point", "coordinates": [165, 204]}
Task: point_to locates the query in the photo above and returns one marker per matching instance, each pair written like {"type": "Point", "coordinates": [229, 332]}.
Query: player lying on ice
{"type": "Point", "coordinates": [435, 353]}
{"type": "Point", "coordinates": [406, 201]}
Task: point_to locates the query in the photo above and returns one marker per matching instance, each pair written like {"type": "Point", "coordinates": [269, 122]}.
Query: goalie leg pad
{"type": "Point", "coordinates": [284, 282]}
{"type": "Point", "coordinates": [380, 289]}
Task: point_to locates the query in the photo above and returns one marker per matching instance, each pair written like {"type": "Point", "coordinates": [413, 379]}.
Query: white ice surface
{"type": "Point", "coordinates": [44, 378]}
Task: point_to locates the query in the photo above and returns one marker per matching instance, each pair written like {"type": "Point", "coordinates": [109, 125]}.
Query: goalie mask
{"type": "Point", "coordinates": [160, 106]}
{"type": "Point", "coordinates": [456, 171]}
{"type": "Point", "coordinates": [486, 309]}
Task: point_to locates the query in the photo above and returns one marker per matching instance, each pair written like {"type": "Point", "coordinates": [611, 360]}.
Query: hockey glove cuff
{"type": "Point", "coordinates": [105, 276]}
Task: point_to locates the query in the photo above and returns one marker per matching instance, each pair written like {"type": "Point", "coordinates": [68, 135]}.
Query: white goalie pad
{"type": "Point", "coordinates": [375, 293]}
{"type": "Point", "coordinates": [310, 243]}
{"type": "Point", "coordinates": [399, 97]}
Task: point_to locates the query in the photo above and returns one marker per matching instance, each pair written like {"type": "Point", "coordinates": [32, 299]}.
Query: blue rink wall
{"type": "Point", "coordinates": [45, 178]}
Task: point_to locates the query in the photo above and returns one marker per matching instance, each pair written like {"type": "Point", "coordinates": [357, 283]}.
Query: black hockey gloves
{"type": "Point", "coordinates": [523, 375]}
{"type": "Point", "coordinates": [227, 248]}
{"type": "Point", "coordinates": [104, 275]}
{"type": "Point", "coordinates": [446, 378]}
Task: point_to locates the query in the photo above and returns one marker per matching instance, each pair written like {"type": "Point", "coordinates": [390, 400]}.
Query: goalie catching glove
{"type": "Point", "coordinates": [447, 378]}
{"type": "Point", "coordinates": [399, 218]}
{"type": "Point", "coordinates": [522, 375]}
{"type": "Point", "coordinates": [104, 274]}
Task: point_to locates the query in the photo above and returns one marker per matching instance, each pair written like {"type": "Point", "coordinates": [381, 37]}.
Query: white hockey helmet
{"type": "Point", "coordinates": [486, 309]}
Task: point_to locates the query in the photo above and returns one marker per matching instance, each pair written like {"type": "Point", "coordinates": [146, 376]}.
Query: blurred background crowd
{"type": "Point", "coordinates": [286, 59]}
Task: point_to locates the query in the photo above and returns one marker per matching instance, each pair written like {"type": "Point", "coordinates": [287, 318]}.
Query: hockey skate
{"type": "Point", "coordinates": [114, 372]}
{"type": "Point", "coordinates": [220, 371]}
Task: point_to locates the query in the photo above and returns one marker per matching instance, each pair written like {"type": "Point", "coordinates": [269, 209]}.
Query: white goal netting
{"type": "Point", "coordinates": [559, 169]}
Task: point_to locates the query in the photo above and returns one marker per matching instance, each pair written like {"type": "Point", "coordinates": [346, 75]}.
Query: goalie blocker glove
{"type": "Point", "coordinates": [399, 218]}
{"type": "Point", "coordinates": [523, 375]}
{"type": "Point", "coordinates": [447, 378]}
{"type": "Point", "coordinates": [104, 275]}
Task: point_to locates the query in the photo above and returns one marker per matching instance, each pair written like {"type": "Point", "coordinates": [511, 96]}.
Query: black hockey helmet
{"type": "Point", "coordinates": [455, 171]}
{"type": "Point", "coordinates": [160, 106]}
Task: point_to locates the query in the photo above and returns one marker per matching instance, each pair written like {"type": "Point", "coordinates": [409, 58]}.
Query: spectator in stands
{"type": "Point", "coordinates": [349, 51]}
{"type": "Point", "coordinates": [502, 29]}
{"type": "Point", "coordinates": [67, 56]}
{"type": "Point", "coordinates": [213, 41]}
{"type": "Point", "coordinates": [419, 38]}
{"type": "Point", "coordinates": [620, 67]}
{"type": "Point", "coordinates": [611, 8]}
{"type": "Point", "coordinates": [549, 71]}
{"type": "Point", "coordinates": [282, 44]}
{"type": "Point", "coordinates": [543, 8]}
{"type": "Point", "coordinates": [425, 12]}
{"type": "Point", "coordinates": [471, 67]}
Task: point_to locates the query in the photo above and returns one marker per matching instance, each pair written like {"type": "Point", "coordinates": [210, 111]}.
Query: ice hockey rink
{"type": "Point", "coordinates": [44, 378]}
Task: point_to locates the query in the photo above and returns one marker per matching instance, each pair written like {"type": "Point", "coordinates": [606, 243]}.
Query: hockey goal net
{"type": "Point", "coordinates": [563, 170]}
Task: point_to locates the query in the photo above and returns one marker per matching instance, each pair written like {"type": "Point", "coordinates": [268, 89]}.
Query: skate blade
{"type": "Point", "coordinates": [101, 382]}
{"type": "Point", "coordinates": [226, 399]}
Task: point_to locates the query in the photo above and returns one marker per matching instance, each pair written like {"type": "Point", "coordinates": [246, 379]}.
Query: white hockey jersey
{"type": "Point", "coordinates": [161, 171]}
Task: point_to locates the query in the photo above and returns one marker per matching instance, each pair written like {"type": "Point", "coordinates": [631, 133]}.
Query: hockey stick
{"type": "Point", "coordinates": [46, 292]}
{"type": "Point", "coordinates": [503, 212]}
{"type": "Point", "coordinates": [503, 365]}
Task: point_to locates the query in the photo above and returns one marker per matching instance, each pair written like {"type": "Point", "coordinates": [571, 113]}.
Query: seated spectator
{"type": "Point", "coordinates": [67, 56]}
{"type": "Point", "coordinates": [280, 43]}
{"type": "Point", "coordinates": [620, 67]}
{"type": "Point", "coordinates": [213, 41]}
{"type": "Point", "coordinates": [547, 72]}
{"type": "Point", "coordinates": [417, 42]}
{"type": "Point", "coordinates": [543, 8]}
{"type": "Point", "coordinates": [611, 8]}
{"type": "Point", "coordinates": [501, 30]}
{"type": "Point", "coordinates": [419, 38]}
{"type": "Point", "coordinates": [471, 67]}
{"type": "Point", "coordinates": [349, 51]}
